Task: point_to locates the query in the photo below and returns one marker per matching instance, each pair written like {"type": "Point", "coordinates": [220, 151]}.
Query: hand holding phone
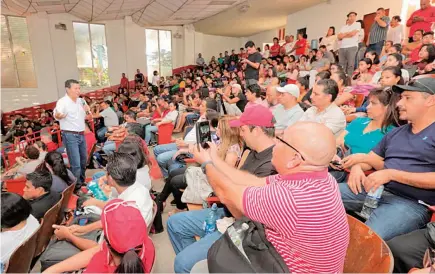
{"type": "Point", "coordinates": [203, 134]}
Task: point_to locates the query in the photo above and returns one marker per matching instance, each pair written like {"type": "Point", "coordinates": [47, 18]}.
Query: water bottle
{"type": "Point", "coordinates": [371, 202]}
{"type": "Point", "coordinates": [96, 191]}
{"type": "Point", "coordinates": [237, 234]}
{"type": "Point", "coordinates": [210, 222]}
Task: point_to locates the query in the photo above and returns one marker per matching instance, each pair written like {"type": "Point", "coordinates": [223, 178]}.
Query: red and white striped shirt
{"type": "Point", "coordinates": [304, 220]}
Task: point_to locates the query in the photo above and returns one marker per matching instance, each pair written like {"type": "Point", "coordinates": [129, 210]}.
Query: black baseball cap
{"type": "Point", "coordinates": [249, 44]}
{"type": "Point", "coordinates": [419, 85]}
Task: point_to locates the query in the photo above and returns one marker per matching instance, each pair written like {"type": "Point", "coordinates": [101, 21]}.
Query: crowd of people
{"type": "Point", "coordinates": [320, 129]}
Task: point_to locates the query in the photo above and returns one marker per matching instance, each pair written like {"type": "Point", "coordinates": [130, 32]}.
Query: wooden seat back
{"type": "Point", "coordinates": [21, 258]}
{"type": "Point", "coordinates": [367, 252]}
{"type": "Point", "coordinates": [66, 196]}
{"type": "Point", "coordinates": [46, 230]}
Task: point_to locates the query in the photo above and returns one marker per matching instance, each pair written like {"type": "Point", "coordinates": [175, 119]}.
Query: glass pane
{"type": "Point", "coordinates": [152, 51]}
{"type": "Point", "coordinates": [99, 55]}
{"type": "Point", "coordinates": [22, 51]}
{"type": "Point", "coordinates": [9, 75]}
{"type": "Point", "coordinates": [165, 52]}
{"type": "Point", "coordinates": [83, 53]}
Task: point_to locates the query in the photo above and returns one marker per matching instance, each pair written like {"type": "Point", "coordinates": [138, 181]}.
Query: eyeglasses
{"type": "Point", "coordinates": [290, 146]}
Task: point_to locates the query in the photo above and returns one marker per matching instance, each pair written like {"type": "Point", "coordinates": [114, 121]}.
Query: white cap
{"type": "Point", "coordinates": [291, 89]}
{"type": "Point", "coordinates": [236, 86]}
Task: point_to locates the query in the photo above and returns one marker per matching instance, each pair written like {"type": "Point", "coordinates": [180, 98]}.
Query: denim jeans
{"type": "Point", "coordinates": [149, 133]}
{"type": "Point", "coordinates": [191, 117]}
{"type": "Point", "coordinates": [75, 145]}
{"type": "Point", "coordinates": [376, 47]}
{"type": "Point", "coordinates": [394, 216]}
{"type": "Point", "coordinates": [101, 134]}
{"type": "Point", "coordinates": [164, 154]}
{"type": "Point", "coordinates": [182, 229]}
{"type": "Point", "coordinates": [109, 147]}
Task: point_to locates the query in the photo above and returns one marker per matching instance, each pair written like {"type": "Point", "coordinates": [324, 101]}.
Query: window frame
{"type": "Point", "coordinates": [11, 44]}
{"type": "Point", "coordinates": [90, 47]}
{"type": "Point", "coordinates": [158, 47]}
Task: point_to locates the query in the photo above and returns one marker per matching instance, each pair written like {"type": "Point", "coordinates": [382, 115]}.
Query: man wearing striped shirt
{"type": "Point", "coordinates": [300, 207]}
{"type": "Point", "coordinates": [378, 32]}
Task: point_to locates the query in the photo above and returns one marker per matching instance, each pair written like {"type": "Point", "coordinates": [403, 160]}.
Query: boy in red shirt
{"type": "Point", "coordinates": [275, 48]}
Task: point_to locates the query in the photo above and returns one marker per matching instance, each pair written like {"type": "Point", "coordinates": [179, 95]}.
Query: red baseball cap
{"type": "Point", "coordinates": [256, 115]}
{"type": "Point", "coordinates": [123, 225]}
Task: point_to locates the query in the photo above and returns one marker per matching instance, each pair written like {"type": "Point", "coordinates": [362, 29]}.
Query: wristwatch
{"type": "Point", "coordinates": [205, 164]}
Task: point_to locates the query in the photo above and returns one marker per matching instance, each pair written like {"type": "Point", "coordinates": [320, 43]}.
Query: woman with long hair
{"type": "Point", "coordinates": [374, 56]}
{"type": "Point", "coordinates": [427, 56]}
{"type": "Point", "coordinates": [343, 98]}
{"type": "Point", "coordinates": [393, 60]}
{"type": "Point", "coordinates": [230, 147]}
{"type": "Point", "coordinates": [364, 133]}
{"type": "Point", "coordinates": [330, 40]}
{"type": "Point", "coordinates": [62, 177]}
{"type": "Point", "coordinates": [266, 52]}
{"type": "Point", "coordinates": [267, 79]}
{"type": "Point", "coordinates": [363, 75]}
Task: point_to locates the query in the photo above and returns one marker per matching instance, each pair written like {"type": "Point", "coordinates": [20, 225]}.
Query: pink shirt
{"type": "Point", "coordinates": [429, 18]}
{"type": "Point", "coordinates": [304, 220]}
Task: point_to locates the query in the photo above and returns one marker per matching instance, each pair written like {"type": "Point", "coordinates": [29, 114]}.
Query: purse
{"type": "Point", "coordinates": [198, 189]}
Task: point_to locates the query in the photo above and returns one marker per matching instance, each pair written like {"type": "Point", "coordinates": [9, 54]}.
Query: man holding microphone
{"type": "Point", "coordinates": [71, 112]}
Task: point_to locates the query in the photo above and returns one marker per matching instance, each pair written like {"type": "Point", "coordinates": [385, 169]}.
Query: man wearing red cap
{"type": "Point", "coordinates": [300, 208]}
{"type": "Point", "coordinates": [257, 130]}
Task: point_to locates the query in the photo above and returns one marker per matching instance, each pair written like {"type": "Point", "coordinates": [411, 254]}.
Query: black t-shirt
{"type": "Point", "coordinates": [242, 102]}
{"type": "Point", "coordinates": [139, 78]}
{"type": "Point", "coordinates": [250, 72]}
{"type": "Point", "coordinates": [42, 204]}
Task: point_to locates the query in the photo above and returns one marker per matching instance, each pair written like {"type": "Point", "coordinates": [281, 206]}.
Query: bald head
{"type": "Point", "coordinates": [424, 4]}
{"type": "Point", "coordinates": [314, 141]}
{"type": "Point", "coordinates": [271, 95]}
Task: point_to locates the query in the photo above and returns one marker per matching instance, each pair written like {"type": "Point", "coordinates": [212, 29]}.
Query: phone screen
{"type": "Point", "coordinates": [203, 133]}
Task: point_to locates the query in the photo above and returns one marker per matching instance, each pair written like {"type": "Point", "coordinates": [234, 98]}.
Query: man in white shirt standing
{"type": "Point", "coordinates": [289, 43]}
{"type": "Point", "coordinates": [71, 111]}
{"type": "Point", "coordinates": [324, 110]}
{"type": "Point", "coordinates": [349, 43]}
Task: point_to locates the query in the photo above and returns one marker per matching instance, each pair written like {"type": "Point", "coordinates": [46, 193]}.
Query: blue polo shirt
{"type": "Point", "coordinates": [406, 151]}
{"type": "Point", "coordinates": [358, 141]}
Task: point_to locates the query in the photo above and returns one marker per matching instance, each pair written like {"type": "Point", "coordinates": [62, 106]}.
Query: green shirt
{"type": "Point", "coordinates": [358, 141]}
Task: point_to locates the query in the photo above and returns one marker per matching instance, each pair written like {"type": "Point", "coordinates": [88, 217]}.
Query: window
{"type": "Point", "coordinates": [91, 52]}
{"type": "Point", "coordinates": [17, 60]}
{"type": "Point", "coordinates": [159, 52]}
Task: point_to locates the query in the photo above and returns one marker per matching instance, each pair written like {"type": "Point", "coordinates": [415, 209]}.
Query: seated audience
{"type": "Point", "coordinates": [320, 63]}
{"type": "Point", "coordinates": [392, 60]}
{"type": "Point", "coordinates": [253, 95]}
{"type": "Point", "coordinates": [105, 111]}
{"type": "Point", "coordinates": [62, 177]}
{"type": "Point", "coordinates": [364, 133]}
{"type": "Point", "coordinates": [363, 75]}
{"type": "Point", "coordinates": [303, 86]}
{"type": "Point", "coordinates": [42, 149]}
{"type": "Point", "coordinates": [26, 164]}
{"type": "Point", "coordinates": [301, 159]}
{"type": "Point", "coordinates": [237, 97]}
{"type": "Point", "coordinates": [47, 139]}
{"type": "Point", "coordinates": [288, 111]}
{"type": "Point", "coordinates": [404, 163]}
{"type": "Point", "coordinates": [126, 247]}
{"type": "Point", "coordinates": [324, 110]}
{"type": "Point", "coordinates": [169, 118]}
{"type": "Point", "coordinates": [165, 153]}
{"type": "Point", "coordinates": [374, 56]}
{"type": "Point", "coordinates": [37, 192]}
{"type": "Point", "coordinates": [17, 225]}
{"type": "Point", "coordinates": [345, 96]}
{"type": "Point", "coordinates": [256, 129]}
{"type": "Point", "coordinates": [426, 58]}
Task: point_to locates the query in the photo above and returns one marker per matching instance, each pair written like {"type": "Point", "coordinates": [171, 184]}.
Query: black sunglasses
{"type": "Point", "coordinates": [290, 146]}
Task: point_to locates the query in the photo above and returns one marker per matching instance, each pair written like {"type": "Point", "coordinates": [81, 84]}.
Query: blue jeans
{"type": "Point", "coordinates": [75, 145]}
{"type": "Point", "coordinates": [149, 133]}
{"type": "Point", "coordinates": [109, 147]}
{"type": "Point", "coordinates": [101, 134]}
{"type": "Point", "coordinates": [394, 216]}
{"type": "Point", "coordinates": [191, 117]}
{"type": "Point", "coordinates": [182, 229]}
{"type": "Point", "coordinates": [376, 47]}
{"type": "Point", "coordinates": [164, 154]}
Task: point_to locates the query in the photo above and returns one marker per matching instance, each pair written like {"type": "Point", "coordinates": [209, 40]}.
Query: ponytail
{"type": "Point", "coordinates": [130, 263]}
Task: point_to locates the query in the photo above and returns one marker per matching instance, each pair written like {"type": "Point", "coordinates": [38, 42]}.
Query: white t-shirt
{"type": "Point", "coordinates": [75, 114]}
{"type": "Point", "coordinates": [155, 80]}
{"type": "Point", "coordinates": [395, 34]}
{"type": "Point", "coordinates": [332, 117]}
{"type": "Point", "coordinates": [110, 117]}
{"type": "Point", "coordinates": [352, 41]}
{"type": "Point", "coordinates": [141, 195]}
{"type": "Point", "coordinates": [11, 240]}
{"type": "Point", "coordinates": [143, 177]}
{"type": "Point", "coordinates": [171, 116]}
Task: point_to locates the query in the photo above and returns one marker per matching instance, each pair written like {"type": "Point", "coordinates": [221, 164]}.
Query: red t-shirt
{"type": "Point", "coordinates": [274, 50]}
{"type": "Point", "coordinates": [124, 82]}
{"type": "Point", "coordinates": [100, 261]}
{"type": "Point", "coordinates": [304, 220]}
{"type": "Point", "coordinates": [51, 146]}
{"type": "Point", "coordinates": [303, 45]}
{"type": "Point", "coordinates": [429, 18]}
{"type": "Point", "coordinates": [414, 55]}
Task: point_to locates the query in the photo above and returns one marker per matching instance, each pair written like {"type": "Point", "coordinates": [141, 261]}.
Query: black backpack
{"type": "Point", "coordinates": [262, 257]}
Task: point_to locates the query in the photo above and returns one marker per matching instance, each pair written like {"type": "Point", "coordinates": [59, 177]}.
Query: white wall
{"type": "Point", "coordinates": [212, 45]}
{"type": "Point", "coordinates": [317, 19]}
{"type": "Point", "coordinates": [264, 37]}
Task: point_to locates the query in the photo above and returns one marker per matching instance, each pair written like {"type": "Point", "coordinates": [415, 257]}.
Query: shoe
{"type": "Point", "coordinates": [173, 203]}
